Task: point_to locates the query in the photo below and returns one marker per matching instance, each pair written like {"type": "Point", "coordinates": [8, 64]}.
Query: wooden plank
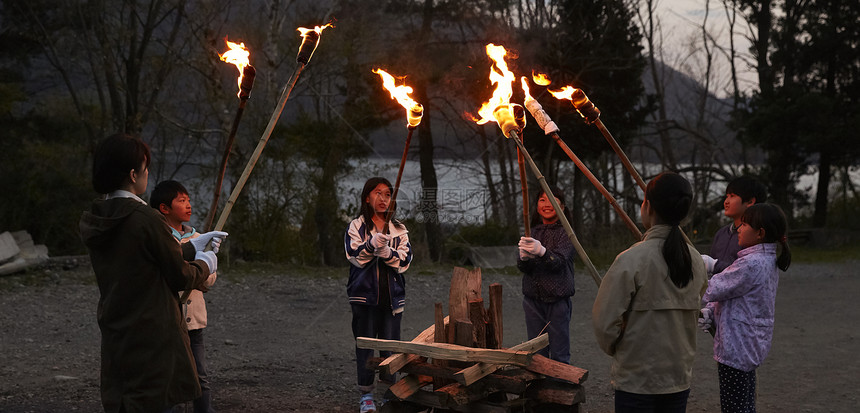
{"type": "Point", "coordinates": [408, 385]}
{"type": "Point", "coordinates": [448, 351]}
{"type": "Point", "coordinates": [478, 317]}
{"type": "Point", "coordinates": [494, 316]}
{"type": "Point", "coordinates": [556, 392]}
{"type": "Point", "coordinates": [542, 365]}
{"type": "Point", "coordinates": [394, 362]}
{"type": "Point", "coordinates": [465, 286]}
{"type": "Point", "coordinates": [513, 380]}
{"type": "Point", "coordinates": [474, 373]}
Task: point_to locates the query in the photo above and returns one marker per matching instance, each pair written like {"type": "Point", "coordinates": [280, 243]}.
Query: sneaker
{"type": "Point", "coordinates": [366, 404]}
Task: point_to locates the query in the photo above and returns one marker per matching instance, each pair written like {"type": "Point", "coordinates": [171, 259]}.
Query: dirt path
{"type": "Point", "coordinates": [279, 341]}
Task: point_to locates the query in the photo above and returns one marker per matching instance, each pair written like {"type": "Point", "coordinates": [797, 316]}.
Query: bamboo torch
{"type": "Point", "coordinates": [550, 128]}
{"type": "Point", "coordinates": [591, 115]}
{"type": "Point", "coordinates": [239, 56]}
{"type": "Point", "coordinates": [414, 113]}
{"type": "Point", "coordinates": [498, 109]}
{"type": "Point", "coordinates": [310, 40]}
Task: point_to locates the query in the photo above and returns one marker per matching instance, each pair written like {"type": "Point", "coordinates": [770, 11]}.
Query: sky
{"type": "Point", "coordinates": [681, 21]}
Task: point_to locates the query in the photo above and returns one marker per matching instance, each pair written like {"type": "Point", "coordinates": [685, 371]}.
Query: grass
{"type": "Point", "coordinates": [814, 255]}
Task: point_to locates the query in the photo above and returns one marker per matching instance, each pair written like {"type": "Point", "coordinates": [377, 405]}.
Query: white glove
{"type": "Point", "coordinates": [706, 319]}
{"type": "Point", "coordinates": [532, 246]}
{"type": "Point", "coordinates": [215, 236]}
{"type": "Point", "coordinates": [379, 240]}
{"type": "Point", "coordinates": [709, 263]}
{"type": "Point", "coordinates": [525, 255]}
{"type": "Point", "coordinates": [382, 252]}
{"type": "Point", "coordinates": [209, 258]}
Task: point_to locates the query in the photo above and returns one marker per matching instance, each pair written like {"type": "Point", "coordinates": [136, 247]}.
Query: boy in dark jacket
{"type": "Point", "coordinates": [741, 193]}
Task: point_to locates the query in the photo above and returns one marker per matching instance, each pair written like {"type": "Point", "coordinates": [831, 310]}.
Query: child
{"type": "Point", "coordinates": [646, 308]}
{"type": "Point", "coordinates": [741, 192]}
{"type": "Point", "coordinates": [172, 200]}
{"type": "Point", "coordinates": [546, 261]}
{"type": "Point", "coordinates": [378, 253]}
{"type": "Point", "coordinates": [146, 360]}
{"type": "Point", "coordinates": [740, 303]}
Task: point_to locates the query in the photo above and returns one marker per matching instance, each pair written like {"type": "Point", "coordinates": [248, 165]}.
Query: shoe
{"type": "Point", "coordinates": [366, 404]}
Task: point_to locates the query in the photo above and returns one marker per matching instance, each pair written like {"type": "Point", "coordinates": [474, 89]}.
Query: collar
{"type": "Point", "coordinates": [187, 232]}
{"type": "Point", "coordinates": [764, 247]}
{"type": "Point", "coordinates": [121, 193]}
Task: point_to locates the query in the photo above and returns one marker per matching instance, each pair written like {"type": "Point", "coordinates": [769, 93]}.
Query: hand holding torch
{"type": "Point", "coordinates": [508, 124]}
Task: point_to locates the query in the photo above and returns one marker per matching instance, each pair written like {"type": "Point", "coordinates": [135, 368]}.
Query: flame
{"type": "Point", "coordinates": [414, 110]}
{"type": "Point", "coordinates": [540, 79]}
{"type": "Point", "coordinates": [525, 83]}
{"type": "Point", "coordinates": [237, 55]}
{"type": "Point", "coordinates": [565, 93]}
{"type": "Point", "coordinates": [303, 31]}
{"type": "Point", "coordinates": [503, 78]}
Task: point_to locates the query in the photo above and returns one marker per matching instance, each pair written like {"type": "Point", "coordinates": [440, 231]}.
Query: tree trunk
{"type": "Point", "coordinates": [819, 217]}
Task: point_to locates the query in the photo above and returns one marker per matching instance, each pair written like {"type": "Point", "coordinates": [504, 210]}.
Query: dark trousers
{"type": "Point", "coordinates": [202, 404]}
{"type": "Point", "coordinates": [557, 314]}
{"type": "Point", "coordinates": [651, 403]}
{"type": "Point", "coordinates": [737, 389]}
{"type": "Point", "coordinates": [373, 322]}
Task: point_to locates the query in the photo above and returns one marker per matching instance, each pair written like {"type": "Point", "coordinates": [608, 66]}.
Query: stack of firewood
{"type": "Point", "coordinates": [459, 364]}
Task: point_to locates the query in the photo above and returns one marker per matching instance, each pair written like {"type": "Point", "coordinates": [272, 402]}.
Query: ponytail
{"type": "Point", "coordinates": [670, 196]}
{"type": "Point", "coordinates": [784, 259]}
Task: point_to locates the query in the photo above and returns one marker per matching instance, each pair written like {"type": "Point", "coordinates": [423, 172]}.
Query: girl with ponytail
{"type": "Point", "coordinates": [645, 312]}
{"type": "Point", "coordinates": [741, 301]}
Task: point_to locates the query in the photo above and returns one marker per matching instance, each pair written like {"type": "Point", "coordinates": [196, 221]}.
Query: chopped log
{"type": "Point", "coordinates": [465, 286]}
{"type": "Point", "coordinates": [394, 362]}
{"type": "Point", "coordinates": [408, 385]}
{"type": "Point", "coordinates": [478, 317]}
{"type": "Point", "coordinates": [439, 338]}
{"type": "Point", "coordinates": [514, 380]}
{"type": "Point", "coordinates": [552, 391]}
{"type": "Point", "coordinates": [463, 333]}
{"type": "Point", "coordinates": [474, 373]}
{"type": "Point", "coordinates": [429, 399]}
{"type": "Point", "coordinates": [542, 365]}
{"type": "Point", "coordinates": [455, 394]}
{"type": "Point", "coordinates": [494, 316]}
{"type": "Point", "coordinates": [447, 351]}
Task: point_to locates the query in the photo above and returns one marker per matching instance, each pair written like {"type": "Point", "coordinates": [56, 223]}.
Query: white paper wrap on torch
{"type": "Point", "coordinates": [541, 117]}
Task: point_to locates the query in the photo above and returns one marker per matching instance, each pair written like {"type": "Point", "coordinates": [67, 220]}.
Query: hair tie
{"type": "Point", "coordinates": [783, 239]}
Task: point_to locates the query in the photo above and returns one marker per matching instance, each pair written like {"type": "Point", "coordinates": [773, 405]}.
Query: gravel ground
{"type": "Point", "coordinates": [279, 340]}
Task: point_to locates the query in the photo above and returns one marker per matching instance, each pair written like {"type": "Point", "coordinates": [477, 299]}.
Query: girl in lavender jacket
{"type": "Point", "coordinates": [740, 303]}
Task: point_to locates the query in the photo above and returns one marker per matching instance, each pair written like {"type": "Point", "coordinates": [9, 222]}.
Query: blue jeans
{"type": "Point", "coordinates": [651, 403]}
{"type": "Point", "coordinates": [373, 322]}
{"type": "Point", "coordinates": [202, 404]}
{"type": "Point", "coordinates": [557, 314]}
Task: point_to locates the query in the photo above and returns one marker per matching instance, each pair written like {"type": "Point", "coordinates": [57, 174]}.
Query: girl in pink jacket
{"type": "Point", "coordinates": [740, 304]}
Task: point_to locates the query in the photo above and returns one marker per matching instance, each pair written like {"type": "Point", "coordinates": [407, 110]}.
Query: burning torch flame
{"type": "Point", "coordinates": [310, 40]}
{"type": "Point", "coordinates": [540, 79]}
{"type": "Point", "coordinates": [580, 101]}
{"type": "Point", "coordinates": [414, 110]}
{"type": "Point", "coordinates": [498, 107]}
{"type": "Point", "coordinates": [237, 55]}
{"type": "Point", "coordinates": [503, 78]}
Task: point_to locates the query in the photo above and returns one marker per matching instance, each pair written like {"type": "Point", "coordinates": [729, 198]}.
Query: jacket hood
{"type": "Point", "coordinates": [98, 224]}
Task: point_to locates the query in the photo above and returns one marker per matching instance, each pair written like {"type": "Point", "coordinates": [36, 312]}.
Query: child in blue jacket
{"type": "Point", "coordinates": [378, 252]}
